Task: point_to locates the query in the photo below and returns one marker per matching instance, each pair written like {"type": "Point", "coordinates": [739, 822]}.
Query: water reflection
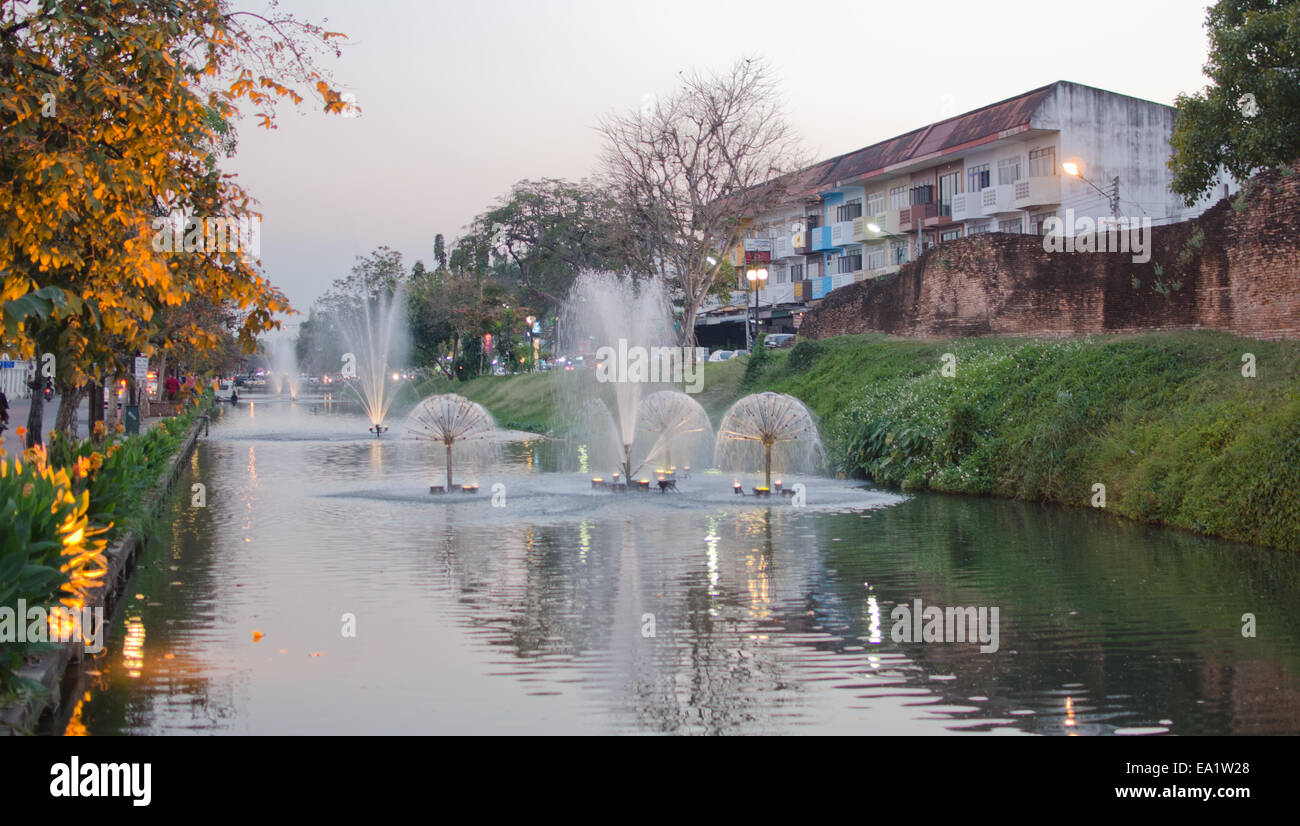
{"type": "Point", "coordinates": [533, 617]}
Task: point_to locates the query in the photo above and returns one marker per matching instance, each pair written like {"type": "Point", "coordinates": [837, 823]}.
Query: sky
{"type": "Point", "coordinates": [462, 99]}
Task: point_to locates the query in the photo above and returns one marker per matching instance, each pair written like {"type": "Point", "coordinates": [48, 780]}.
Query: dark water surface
{"type": "Point", "coordinates": [534, 616]}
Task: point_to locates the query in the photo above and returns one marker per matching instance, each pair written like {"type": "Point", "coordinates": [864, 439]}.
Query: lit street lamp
{"type": "Point", "coordinates": [1072, 169]}
{"type": "Point", "coordinates": [756, 277]}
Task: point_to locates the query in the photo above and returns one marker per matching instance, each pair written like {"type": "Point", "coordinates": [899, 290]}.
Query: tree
{"type": "Point", "coordinates": [545, 232]}
{"type": "Point", "coordinates": [690, 169]}
{"type": "Point", "coordinates": [440, 253]}
{"type": "Point", "coordinates": [109, 113]}
{"type": "Point", "coordinates": [1248, 118]}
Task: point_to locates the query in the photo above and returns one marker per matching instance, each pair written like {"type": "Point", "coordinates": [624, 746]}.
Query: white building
{"type": "Point", "coordinates": [1000, 168]}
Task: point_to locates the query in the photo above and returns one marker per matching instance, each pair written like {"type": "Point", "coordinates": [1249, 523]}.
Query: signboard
{"type": "Point", "coordinates": [758, 245]}
{"type": "Point", "coordinates": [141, 368]}
{"type": "Point", "coordinates": [7, 365]}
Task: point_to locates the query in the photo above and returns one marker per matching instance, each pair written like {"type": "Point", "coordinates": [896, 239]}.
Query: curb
{"type": "Point", "coordinates": [50, 668]}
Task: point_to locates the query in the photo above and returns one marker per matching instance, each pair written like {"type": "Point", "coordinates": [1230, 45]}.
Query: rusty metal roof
{"type": "Point", "coordinates": [945, 136]}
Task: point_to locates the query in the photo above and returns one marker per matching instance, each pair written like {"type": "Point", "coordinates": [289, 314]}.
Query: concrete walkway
{"type": "Point", "coordinates": [19, 408]}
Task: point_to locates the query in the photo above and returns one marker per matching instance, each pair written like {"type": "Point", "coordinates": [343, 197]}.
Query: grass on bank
{"type": "Point", "coordinates": [1166, 422]}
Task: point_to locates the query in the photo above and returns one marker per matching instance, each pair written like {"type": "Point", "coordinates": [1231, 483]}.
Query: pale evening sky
{"type": "Point", "coordinates": [463, 99]}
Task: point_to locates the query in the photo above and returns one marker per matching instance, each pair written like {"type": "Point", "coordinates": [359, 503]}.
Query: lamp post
{"type": "Point", "coordinates": [756, 278]}
{"type": "Point", "coordinates": [1072, 169]}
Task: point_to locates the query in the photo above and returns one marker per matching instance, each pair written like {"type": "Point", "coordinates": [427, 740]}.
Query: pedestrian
{"type": "Point", "coordinates": [172, 387]}
{"type": "Point", "coordinates": [4, 410]}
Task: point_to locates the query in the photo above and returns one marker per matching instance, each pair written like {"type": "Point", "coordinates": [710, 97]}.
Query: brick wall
{"type": "Point", "coordinates": [1236, 270]}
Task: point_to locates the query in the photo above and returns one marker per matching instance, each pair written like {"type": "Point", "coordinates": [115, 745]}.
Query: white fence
{"type": "Point", "coordinates": [13, 380]}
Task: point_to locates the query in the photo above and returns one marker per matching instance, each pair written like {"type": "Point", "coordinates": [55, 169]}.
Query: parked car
{"type": "Point", "coordinates": [225, 390]}
{"type": "Point", "coordinates": [721, 355]}
{"type": "Point", "coordinates": [775, 340]}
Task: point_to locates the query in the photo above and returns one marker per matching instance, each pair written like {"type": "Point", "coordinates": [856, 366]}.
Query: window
{"type": "Point", "coordinates": [814, 220]}
{"type": "Point", "coordinates": [815, 268]}
{"type": "Point", "coordinates": [876, 257]}
{"type": "Point", "coordinates": [778, 275]}
{"type": "Point", "coordinates": [850, 210]}
{"type": "Point", "coordinates": [898, 197]}
{"type": "Point", "coordinates": [950, 235]}
{"type": "Point", "coordinates": [923, 194]}
{"type": "Point", "coordinates": [1010, 225]}
{"type": "Point", "coordinates": [977, 177]}
{"type": "Point", "coordinates": [1008, 170]}
{"type": "Point", "coordinates": [1042, 162]}
{"type": "Point", "coordinates": [851, 260]}
{"type": "Point", "coordinates": [947, 189]}
{"type": "Point", "coordinates": [898, 251]}
{"type": "Point", "coordinates": [1036, 221]}
{"type": "Point", "coordinates": [796, 272]}
{"type": "Point", "coordinates": [980, 228]}
{"type": "Point", "coordinates": [875, 203]}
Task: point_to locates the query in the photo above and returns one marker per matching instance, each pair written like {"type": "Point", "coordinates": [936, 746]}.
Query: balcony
{"type": "Point", "coordinates": [1044, 190]}
{"type": "Point", "coordinates": [783, 246]}
{"type": "Point", "coordinates": [841, 233]}
{"type": "Point", "coordinates": [967, 206]}
{"type": "Point", "coordinates": [911, 218]}
{"type": "Point", "coordinates": [997, 200]}
{"type": "Point", "coordinates": [832, 236]}
{"type": "Point", "coordinates": [886, 221]}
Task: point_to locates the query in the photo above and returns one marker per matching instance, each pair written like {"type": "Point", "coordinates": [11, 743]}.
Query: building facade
{"type": "Point", "coordinates": [1000, 168]}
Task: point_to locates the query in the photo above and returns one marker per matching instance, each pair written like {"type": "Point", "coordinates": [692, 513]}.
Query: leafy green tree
{"type": "Point", "coordinates": [1248, 117]}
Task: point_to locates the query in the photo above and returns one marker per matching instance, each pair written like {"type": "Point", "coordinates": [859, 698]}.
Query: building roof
{"type": "Point", "coordinates": [956, 134]}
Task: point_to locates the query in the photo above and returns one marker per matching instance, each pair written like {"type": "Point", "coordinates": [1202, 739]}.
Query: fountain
{"type": "Point", "coordinates": [614, 314]}
{"type": "Point", "coordinates": [456, 422]}
{"type": "Point", "coordinates": [284, 361]}
{"type": "Point", "coordinates": [678, 427]}
{"type": "Point", "coordinates": [377, 340]}
{"type": "Point", "coordinates": [758, 424]}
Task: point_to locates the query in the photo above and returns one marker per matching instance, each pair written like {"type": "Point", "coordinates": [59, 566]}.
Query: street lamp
{"type": "Point", "coordinates": [1072, 169]}
{"type": "Point", "coordinates": [756, 279]}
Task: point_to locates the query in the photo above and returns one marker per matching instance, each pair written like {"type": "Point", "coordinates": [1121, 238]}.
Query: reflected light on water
{"type": "Point", "coordinates": [133, 647]}
{"type": "Point", "coordinates": [584, 540]}
{"type": "Point", "coordinates": [759, 586]}
{"type": "Point", "coordinates": [874, 636]}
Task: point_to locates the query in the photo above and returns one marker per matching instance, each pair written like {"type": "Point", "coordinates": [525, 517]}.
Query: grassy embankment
{"type": "Point", "coordinates": [1166, 422]}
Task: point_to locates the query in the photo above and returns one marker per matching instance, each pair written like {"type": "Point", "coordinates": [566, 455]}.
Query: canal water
{"type": "Point", "coordinates": [320, 588]}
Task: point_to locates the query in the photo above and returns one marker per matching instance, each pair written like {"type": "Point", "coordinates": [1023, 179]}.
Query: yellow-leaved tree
{"type": "Point", "coordinates": [112, 114]}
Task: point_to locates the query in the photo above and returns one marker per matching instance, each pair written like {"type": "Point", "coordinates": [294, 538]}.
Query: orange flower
{"type": "Point", "coordinates": [96, 461]}
{"type": "Point", "coordinates": [118, 428]}
{"type": "Point", "coordinates": [20, 432]}
{"type": "Point", "coordinates": [83, 467]}
{"type": "Point", "coordinates": [101, 429]}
